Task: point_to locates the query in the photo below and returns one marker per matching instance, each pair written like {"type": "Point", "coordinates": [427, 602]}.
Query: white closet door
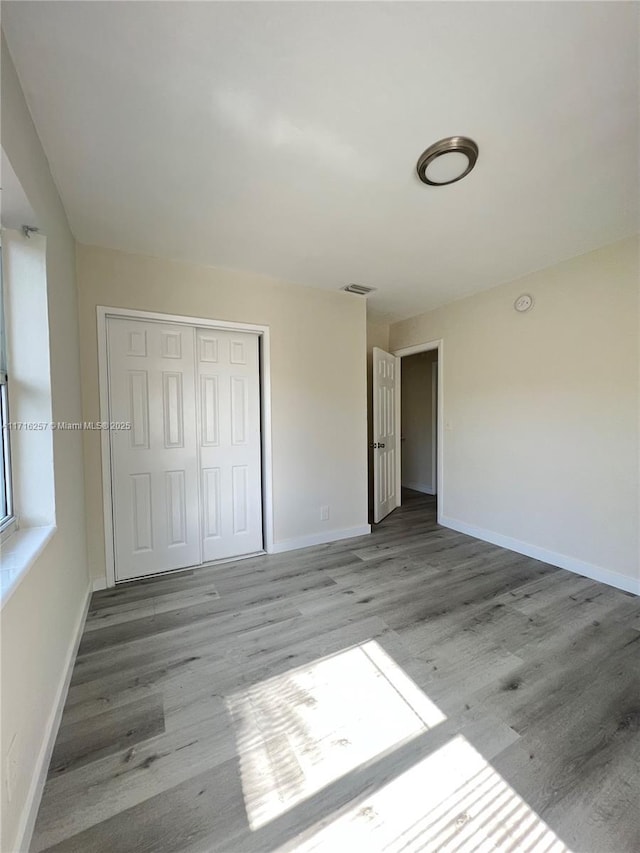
{"type": "Point", "coordinates": [155, 463]}
{"type": "Point", "coordinates": [229, 426]}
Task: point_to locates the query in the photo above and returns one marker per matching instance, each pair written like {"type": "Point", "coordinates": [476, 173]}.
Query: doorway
{"type": "Point", "coordinates": [188, 478]}
{"type": "Point", "coordinates": [418, 422]}
{"type": "Point", "coordinates": [386, 419]}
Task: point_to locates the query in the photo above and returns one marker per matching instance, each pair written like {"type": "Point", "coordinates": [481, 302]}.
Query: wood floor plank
{"type": "Point", "coordinates": [125, 612]}
{"type": "Point", "coordinates": [96, 792]}
{"type": "Point", "coordinates": [166, 823]}
{"type": "Point", "coordinates": [125, 727]}
{"type": "Point", "coordinates": [183, 643]}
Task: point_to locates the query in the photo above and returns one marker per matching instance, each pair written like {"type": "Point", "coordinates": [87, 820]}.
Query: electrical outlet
{"type": "Point", "coordinates": [11, 767]}
{"type": "Point", "coordinates": [324, 513]}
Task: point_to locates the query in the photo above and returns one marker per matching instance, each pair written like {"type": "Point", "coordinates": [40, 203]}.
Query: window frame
{"type": "Point", "coordinates": [8, 520]}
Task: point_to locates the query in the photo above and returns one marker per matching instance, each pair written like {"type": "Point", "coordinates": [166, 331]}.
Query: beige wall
{"type": "Point", "coordinates": [377, 335]}
{"type": "Point", "coordinates": [40, 620]}
{"type": "Point", "coordinates": [417, 427]}
{"type": "Point", "coordinates": [318, 380]}
{"type": "Point", "coordinates": [541, 411]}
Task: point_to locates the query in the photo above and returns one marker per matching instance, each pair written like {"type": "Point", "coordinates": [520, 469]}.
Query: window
{"type": "Point", "coordinates": [27, 496]}
{"type": "Point", "coordinates": [6, 508]}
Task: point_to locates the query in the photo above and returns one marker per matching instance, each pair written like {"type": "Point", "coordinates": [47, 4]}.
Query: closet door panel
{"type": "Point", "coordinates": [154, 464]}
{"type": "Point", "coordinates": [229, 436]}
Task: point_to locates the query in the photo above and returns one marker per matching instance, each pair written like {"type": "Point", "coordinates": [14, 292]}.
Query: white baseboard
{"type": "Point", "coordinates": [319, 539]}
{"type": "Point", "coordinates": [571, 564]}
{"type": "Point", "coordinates": [420, 487]}
{"type": "Point", "coordinates": [99, 583]}
{"type": "Point", "coordinates": [32, 804]}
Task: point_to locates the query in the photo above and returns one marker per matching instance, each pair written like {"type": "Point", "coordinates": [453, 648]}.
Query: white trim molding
{"type": "Point", "coordinates": [398, 424]}
{"type": "Point", "coordinates": [553, 558]}
{"type": "Point", "coordinates": [102, 314]}
{"type": "Point", "coordinates": [416, 348]}
{"type": "Point", "coordinates": [320, 538]}
{"type": "Point", "coordinates": [32, 804]}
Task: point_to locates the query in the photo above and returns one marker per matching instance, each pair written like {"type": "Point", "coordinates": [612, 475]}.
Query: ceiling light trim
{"type": "Point", "coordinates": [449, 145]}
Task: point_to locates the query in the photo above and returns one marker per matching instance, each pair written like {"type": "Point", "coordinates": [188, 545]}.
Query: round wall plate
{"type": "Point", "coordinates": [523, 303]}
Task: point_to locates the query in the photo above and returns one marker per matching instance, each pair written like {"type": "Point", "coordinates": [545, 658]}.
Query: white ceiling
{"type": "Point", "coordinates": [282, 137]}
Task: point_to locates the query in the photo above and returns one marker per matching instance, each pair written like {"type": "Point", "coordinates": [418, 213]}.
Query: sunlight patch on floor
{"type": "Point", "coordinates": [301, 731]}
{"type": "Point", "coordinates": [453, 801]}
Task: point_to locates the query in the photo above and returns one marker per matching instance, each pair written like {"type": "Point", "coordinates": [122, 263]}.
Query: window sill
{"type": "Point", "coordinates": [18, 553]}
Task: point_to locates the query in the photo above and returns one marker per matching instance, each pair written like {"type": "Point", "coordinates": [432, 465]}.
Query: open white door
{"type": "Point", "coordinates": [385, 431]}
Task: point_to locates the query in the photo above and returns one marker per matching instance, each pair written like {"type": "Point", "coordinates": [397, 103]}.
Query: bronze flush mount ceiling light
{"type": "Point", "coordinates": [447, 161]}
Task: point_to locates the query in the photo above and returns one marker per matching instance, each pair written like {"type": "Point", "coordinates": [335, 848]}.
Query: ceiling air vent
{"type": "Point", "coordinates": [360, 289]}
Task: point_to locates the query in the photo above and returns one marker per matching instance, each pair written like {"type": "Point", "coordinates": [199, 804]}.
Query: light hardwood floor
{"type": "Point", "coordinates": [354, 696]}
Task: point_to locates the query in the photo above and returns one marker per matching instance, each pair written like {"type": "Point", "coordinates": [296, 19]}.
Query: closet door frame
{"type": "Point", "coordinates": [103, 313]}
